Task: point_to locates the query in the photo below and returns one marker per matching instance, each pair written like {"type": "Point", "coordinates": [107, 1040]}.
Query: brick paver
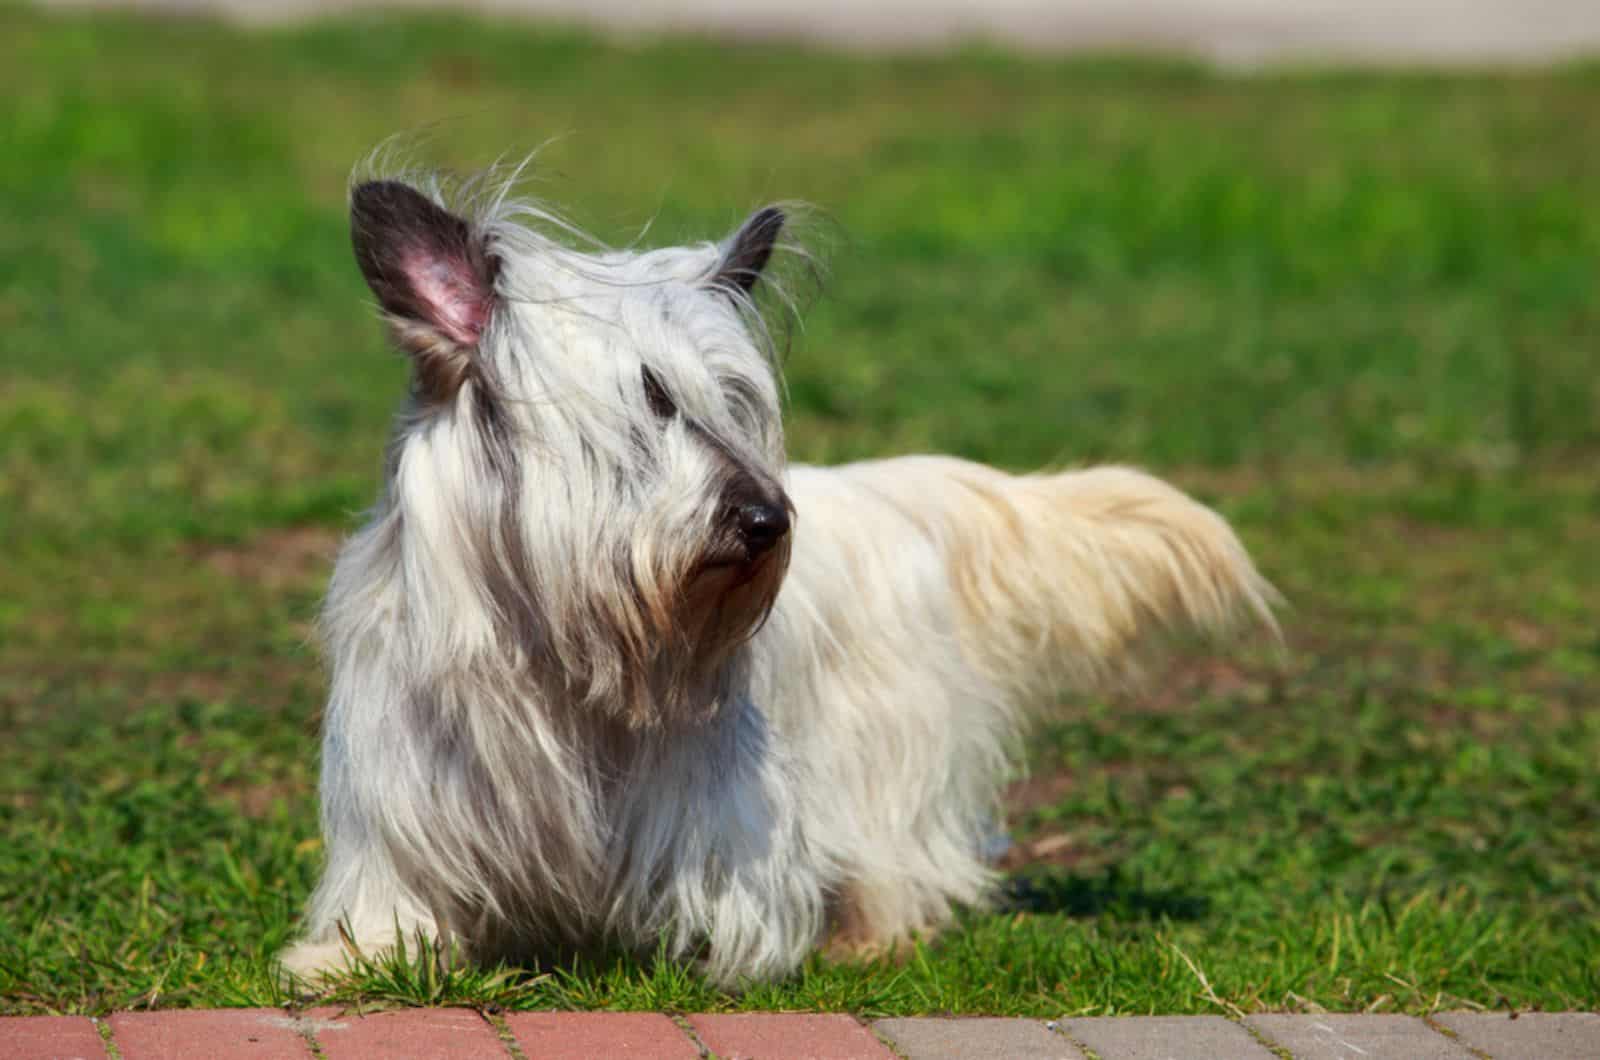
{"type": "Point", "coordinates": [407, 1034]}
{"type": "Point", "coordinates": [1357, 1037]}
{"type": "Point", "coordinates": [218, 1034]}
{"type": "Point", "coordinates": [760, 1036]}
{"type": "Point", "coordinates": [614, 1035]}
{"type": "Point", "coordinates": [1528, 1036]}
{"type": "Point", "coordinates": [992, 1039]}
{"type": "Point", "coordinates": [1166, 1038]}
{"type": "Point", "coordinates": [50, 1038]}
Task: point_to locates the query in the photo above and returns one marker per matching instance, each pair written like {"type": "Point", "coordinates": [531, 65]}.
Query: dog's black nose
{"type": "Point", "coordinates": [762, 525]}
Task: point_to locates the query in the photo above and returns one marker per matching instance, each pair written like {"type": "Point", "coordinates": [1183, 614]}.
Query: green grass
{"type": "Point", "coordinates": [1357, 311]}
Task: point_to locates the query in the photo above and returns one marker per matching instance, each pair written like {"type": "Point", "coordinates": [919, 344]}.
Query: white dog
{"type": "Point", "coordinates": [606, 673]}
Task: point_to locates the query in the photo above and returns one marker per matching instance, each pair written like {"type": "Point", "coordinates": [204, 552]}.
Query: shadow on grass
{"type": "Point", "coordinates": [1039, 890]}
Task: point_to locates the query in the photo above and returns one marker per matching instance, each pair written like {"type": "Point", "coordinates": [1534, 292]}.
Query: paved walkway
{"type": "Point", "coordinates": [462, 1034]}
{"type": "Point", "coordinates": [1232, 33]}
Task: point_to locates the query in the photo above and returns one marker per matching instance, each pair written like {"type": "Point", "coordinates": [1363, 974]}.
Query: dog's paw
{"type": "Point", "coordinates": [855, 936]}
{"type": "Point", "coordinates": [308, 963]}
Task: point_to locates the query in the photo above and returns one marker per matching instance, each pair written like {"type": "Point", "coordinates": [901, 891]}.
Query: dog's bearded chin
{"type": "Point", "coordinates": [729, 598]}
{"type": "Point", "coordinates": [725, 602]}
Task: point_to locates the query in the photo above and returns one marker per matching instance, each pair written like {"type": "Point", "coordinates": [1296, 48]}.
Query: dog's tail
{"type": "Point", "coordinates": [1065, 581]}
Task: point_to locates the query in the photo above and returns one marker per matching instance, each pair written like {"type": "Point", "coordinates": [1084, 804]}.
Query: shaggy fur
{"type": "Point", "coordinates": [589, 689]}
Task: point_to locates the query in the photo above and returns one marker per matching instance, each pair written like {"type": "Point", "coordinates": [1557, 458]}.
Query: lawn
{"type": "Point", "coordinates": [1358, 312]}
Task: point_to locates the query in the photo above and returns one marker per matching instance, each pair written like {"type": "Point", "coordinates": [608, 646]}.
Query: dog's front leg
{"type": "Point", "coordinates": [360, 907]}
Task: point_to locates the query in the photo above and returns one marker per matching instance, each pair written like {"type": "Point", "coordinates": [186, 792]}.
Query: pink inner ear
{"type": "Point", "coordinates": [449, 295]}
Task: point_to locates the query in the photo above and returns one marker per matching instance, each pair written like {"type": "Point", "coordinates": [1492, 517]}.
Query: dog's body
{"type": "Point", "coordinates": [571, 705]}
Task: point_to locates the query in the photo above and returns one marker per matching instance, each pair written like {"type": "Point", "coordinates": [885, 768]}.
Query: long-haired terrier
{"type": "Point", "coordinates": [607, 673]}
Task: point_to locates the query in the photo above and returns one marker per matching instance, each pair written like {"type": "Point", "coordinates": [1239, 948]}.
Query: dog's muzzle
{"type": "Point", "coordinates": [753, 527]}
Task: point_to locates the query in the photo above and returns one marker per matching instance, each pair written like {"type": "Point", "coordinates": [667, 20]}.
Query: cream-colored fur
{"type": "Point", "coordinates": [934, 607]}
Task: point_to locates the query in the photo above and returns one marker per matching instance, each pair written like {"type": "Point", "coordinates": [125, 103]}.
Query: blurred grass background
{"type": "Point", "coordinates": [1358, 311]}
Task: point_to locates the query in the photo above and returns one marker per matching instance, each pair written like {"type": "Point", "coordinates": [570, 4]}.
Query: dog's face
{"type": "Point", "coordinates": [590, 466]}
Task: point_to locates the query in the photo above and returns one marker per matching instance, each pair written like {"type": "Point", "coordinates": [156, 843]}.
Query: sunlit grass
{"type": "Point", "coordinates": [1356, 311]}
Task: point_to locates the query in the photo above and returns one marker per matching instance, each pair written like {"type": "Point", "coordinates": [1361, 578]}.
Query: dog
{"type": "Point", "coordinates": [606, 674]}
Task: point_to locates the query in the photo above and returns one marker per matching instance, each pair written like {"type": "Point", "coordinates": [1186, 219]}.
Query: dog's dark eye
{"type": "Point", "coordinates": [660, 402]}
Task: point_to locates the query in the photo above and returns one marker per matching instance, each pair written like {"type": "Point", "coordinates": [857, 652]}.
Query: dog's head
{"type": "Point", "coordinates": [587, 484]}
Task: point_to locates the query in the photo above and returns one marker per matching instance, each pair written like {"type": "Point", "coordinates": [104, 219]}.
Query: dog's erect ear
{"type": "Point", "coordinates": [747, 252]}
{"type": "Point", "coordinates": [432, 273]}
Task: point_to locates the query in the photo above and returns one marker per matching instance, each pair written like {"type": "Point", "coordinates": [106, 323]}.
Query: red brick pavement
{"type": "Point", "coordinates": [756, 1036]}
{"type": "Point", "coordinates": [614, 1035]}
{"type": "Point", "coordinates": [458, 1034]}
{"type": "Point", "coordinates": [49, 1038]}
{"type": "Point", "coordinates": [406, 1034]}
{"type": "Point", "coordinates": [260, 1034]}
